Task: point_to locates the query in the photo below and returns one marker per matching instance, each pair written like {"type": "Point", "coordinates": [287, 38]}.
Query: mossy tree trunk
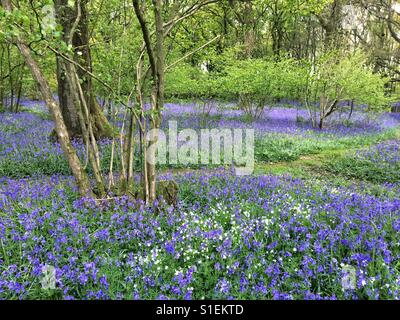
{"type": "Point", "coordinates": [331, 21]}
{"type": "Point", "coordinates": [67, 17]}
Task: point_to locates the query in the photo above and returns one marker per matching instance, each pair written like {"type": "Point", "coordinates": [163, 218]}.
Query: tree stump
{"type": "Point", "coordinates": [168, 189]}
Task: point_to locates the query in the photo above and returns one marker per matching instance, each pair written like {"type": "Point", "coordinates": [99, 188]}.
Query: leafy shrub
{"type": "Point", "coordinates": [335, 78]}
{"type": "Point", "coordinates": [256, 83]}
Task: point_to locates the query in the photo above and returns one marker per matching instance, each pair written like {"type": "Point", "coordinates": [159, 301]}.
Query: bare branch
{"type": "Point", "coordinates": [192, 52]}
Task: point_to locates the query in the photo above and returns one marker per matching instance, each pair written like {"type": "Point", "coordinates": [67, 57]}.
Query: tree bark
{"type": "Point", "coordinates": [156, 54]}
{"type": "Point", "coordinates": [330, 21]}
{"type": "Point", "coordinates": [321, 123]}
{"type": "Point", "coordinates": [67, 17]}
{"type": "Point", "coordinates": [157, 99]}
{"type": "Point", "coordinates": [1, 78]}
{"type": "Point", "coordinates": [10, 79]}
{"type": "Point", "coordinates": [277, 29]}
{"type": "Point", "coordinates": [19, 89]}
{"type": "Point", "coordinates": [157, 64]}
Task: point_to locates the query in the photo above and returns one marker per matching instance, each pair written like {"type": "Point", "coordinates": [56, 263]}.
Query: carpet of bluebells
{"type": "Point", "coordinates": [26, 150]}
{"type": "Point", "coordinates": [229, 237]}
{"type": "Point", "coordinates": [281, 119]}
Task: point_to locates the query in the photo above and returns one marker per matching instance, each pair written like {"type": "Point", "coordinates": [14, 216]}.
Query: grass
{"type": "Point", "coordinates": [279, 147]}
{"type": "Point", "coordinates": [313, 156]}
{"type": "Point", "coordinates": [338, 167]}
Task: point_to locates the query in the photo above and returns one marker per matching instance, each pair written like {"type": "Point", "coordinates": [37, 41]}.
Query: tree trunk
{"type": "Point", "coordinates": [1, 79]}
{"type": "Point", "coordinates": [396, 109]}
{"type": "Point", "coordinates": [10, 78]}
{"type": "Point", "coordinates": [330, 21]}
{"type": "Point", "coordinates": [249, 40]}
{"type": "Point", "coordinates": [323, 106]}
{"type": "Point", "coordinates": [277, 30]}
{"type": "Point", "coordinates": [321, 123]}
{"type": "Point", "coordinates": [157, 66]}
{"type": "Point", "coordinates": [67, 17]}
{"type": "Point", "coordinates": [60, 128]}
{"type": "Point", "coordinates": [157, 94]}
{"type": "Point", "coordinates": [19, 90]}
{"type": "Point", "coordinates": [351, 109]}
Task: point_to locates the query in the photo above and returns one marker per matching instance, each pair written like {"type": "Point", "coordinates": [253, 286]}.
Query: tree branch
{"type": "Point", "coordinates": [192, 52]}
{"type": "Point", "coordinates": [146, 35]}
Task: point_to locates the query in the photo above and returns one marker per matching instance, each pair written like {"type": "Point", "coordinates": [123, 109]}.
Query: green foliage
{"type": "Point", "coordinates": [186, 81]}
{"type": "Point", "coordinates": [378, 164]}
{"type": "Point", "coordinates": [352, 167]}
{"type": "Point", "coordinates": [257, 82]}
{"type": "Point", "coordinates": [34, 167]}
{"type": "Point", "coordinates": [338, 78]}
{"type": "Point", "coordinates": [282, 147]}
{"type": "Point", "coordinates": [304, 8]}
{"type": "Point", "coordinates": [248, 77]}
{"type": "Point", "coordinates": [261, 79]}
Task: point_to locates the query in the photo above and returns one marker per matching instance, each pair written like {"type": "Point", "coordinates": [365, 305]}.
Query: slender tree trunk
{"type": "Point", "coordinates": [351, 109]}
{"type": "Point", "coordinates": [61, 130]}
{"type": "Point", "coordinates": [157, 99]}
{"type": "Point", "coordinates": [157, 66]}
{"type": "Point", "coordinates": [10, 79]}
{"type": "Point", "coordinates": [323, 102]}
{"type": "Point", "coordinates": [321, 123]}
{"type": "Point", "coordinates": [249, 40]}
{"type": "Point", "coordinates": [87, 130]}
{"type": "Point", "coordinates": [277, 30]}
{"type": "Point", "coordinates": [1, 78]}
{"type": "Point", "coordinates": [19, 90]}
{"type": "Point", "coordinates": [131, 150]}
